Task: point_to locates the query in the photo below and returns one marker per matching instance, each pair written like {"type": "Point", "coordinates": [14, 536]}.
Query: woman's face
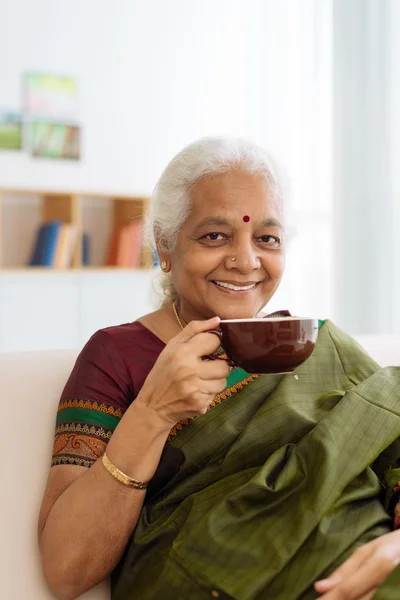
{"type": "Point", "coordinates": [232, 215]}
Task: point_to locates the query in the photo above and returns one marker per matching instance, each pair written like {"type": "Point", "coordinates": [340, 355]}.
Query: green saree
{"type": "Point", "coordinates": [278, 485]}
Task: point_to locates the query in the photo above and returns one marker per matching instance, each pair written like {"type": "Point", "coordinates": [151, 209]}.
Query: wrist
{"type": "Point", "coordinates": [149, 419]}
{"type": "Point", "coordinates": [138, 441]}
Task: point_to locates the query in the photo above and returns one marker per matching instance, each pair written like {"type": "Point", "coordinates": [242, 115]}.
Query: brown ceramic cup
{"type": "Point", "coordinates": [269, 345]}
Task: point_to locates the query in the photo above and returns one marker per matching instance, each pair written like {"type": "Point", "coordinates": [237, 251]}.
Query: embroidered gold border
{"type": "Point", "coordinates": [232, 390]}
{"type": "Point", "coordinates": [72, 444]}
{"type": "Point", "coordinates": [69, 460]}
{"type": "Point", "coordinates": [79, 428]}
{"type": "Point", "coordinates": [222, 396]}
{"type": "Point", "coordinates": [103, 408]}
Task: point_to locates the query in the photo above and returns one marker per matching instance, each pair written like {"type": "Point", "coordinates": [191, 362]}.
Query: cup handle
{"type": "Point", "coordinates": [217, 332]}
{"type": "Point", "coordinates": [230, 362]}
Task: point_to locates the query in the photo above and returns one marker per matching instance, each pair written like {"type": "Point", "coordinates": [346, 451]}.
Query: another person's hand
{"type": "Point", "coordinates": [181, 384]}
{"type": "Point", "coordinates": [367, 568]}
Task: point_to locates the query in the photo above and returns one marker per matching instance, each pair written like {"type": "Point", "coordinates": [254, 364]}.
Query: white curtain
{"type": "Point", "coordinates": [307, 285]}
{"type": "Point", "coordinates": [343, 157]}
{"type": "Point", "coordinates": [394, 145]}
{"type": "Point", "coordinates": [366, 170]}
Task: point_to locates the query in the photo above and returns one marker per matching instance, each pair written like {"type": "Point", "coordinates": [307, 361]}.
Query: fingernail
{"type": "Point", "coordinates": [327, 582]}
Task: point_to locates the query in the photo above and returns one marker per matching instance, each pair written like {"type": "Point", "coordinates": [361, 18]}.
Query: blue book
{"type": "Point", "coordinates": [45, 244]}
{"type": "Point", "coordinates": [52, 241]}
{"type": "Point", "coordinates": [85, 249]}
{"type": "Point", "coordinates": [38, 247]}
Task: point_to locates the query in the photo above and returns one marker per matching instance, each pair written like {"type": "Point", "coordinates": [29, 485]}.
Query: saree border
{"type": "Point", "coordinates": [89, 405]}
{"type": "Point", "coordinates": [228, 392]}
{"type": "Point", "coordinates": [83, 430]}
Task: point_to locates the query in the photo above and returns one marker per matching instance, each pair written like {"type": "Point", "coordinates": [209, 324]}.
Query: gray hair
{"type": "Point", "coordinates": [170, 202]}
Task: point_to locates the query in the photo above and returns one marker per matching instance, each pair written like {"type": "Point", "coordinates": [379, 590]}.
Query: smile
{"type": "Point", "coordinates": [235, 287]}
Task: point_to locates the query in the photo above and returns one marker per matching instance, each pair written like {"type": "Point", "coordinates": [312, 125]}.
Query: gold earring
{"type": "Point", "coordinates": [164, 266]}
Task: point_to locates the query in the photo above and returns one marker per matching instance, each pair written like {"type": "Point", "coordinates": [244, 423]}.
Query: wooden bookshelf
{"type": "Point", "coordinates": [68, 207]}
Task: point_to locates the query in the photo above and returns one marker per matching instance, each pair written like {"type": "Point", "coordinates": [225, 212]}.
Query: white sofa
{"type": "Point", "coordinates": [30, 384]}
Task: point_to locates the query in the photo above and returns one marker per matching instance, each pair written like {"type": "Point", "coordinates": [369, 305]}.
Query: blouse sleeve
{"type": "Point", "coordinates": [96, 395]}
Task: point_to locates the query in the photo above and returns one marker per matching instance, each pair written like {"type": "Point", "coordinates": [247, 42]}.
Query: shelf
{"type": "Point", "coordinates": [42, 192]}
{"type": "Point", "coordinates": [22, 211]}
{"type": "Point", "coordinates": [76, 270]}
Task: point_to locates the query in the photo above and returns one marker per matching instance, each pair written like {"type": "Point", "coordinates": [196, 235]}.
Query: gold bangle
{"type": "Point", "coordinates": [120, 476]}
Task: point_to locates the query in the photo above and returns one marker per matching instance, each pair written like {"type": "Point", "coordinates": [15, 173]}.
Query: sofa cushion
{"type": "Point", "coordinates": [30, 386]}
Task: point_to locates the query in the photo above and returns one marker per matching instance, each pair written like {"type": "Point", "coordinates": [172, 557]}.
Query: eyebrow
{"type": "Point", "coordinates": [218, 221]}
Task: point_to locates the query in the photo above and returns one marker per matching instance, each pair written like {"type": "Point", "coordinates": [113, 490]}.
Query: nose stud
{"type": "Point", "coordinates": [233, 258]}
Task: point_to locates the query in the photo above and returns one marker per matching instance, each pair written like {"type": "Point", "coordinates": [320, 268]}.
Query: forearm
{"type": "Point", "coordinates": [90, 524]}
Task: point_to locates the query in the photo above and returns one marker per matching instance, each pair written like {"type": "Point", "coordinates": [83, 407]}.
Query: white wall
{"type": "Point", "coordinates": [156, 74]}
{"type": "Point", "coordinates": [153, 76]}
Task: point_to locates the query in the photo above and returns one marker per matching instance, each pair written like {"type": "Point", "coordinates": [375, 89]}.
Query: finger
{"type": "Point", "coordinates": [214, 369]}
{"type": "Point", "coordinates": [196, 327]}
{"type": "Point", "coordinates": [367, 596]}
{"type": "Point", "coordinates": [368, 576]}
{"type": "Point", "coordinates": [213, 387]}
{"type": "Point", "coordinates": [347, 568]}
{"type": "Point", "coordinates": [203, 344]}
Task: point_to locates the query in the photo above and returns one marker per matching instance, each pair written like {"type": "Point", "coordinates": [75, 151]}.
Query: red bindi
{"type": "Point", "coordinates": [246, 218]}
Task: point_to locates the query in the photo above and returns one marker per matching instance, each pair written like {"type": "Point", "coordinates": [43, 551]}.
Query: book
{"type": "Point", "coordinates": [129, 244]}
{"type": "Point", "coordinates": [125, 249]}
{"type": "Point", "coordinates": [86, 249]}
{"type": "Point", "coordinates": [65, 246]}
{"type": "Point", "coordinates": [38, 247]}
{"type": "Point", "coordinates": [136, 244]}
{"type": "Point", "coordinates": [45, 245]}
{"type": "Point", "coordinates": [111, 259]}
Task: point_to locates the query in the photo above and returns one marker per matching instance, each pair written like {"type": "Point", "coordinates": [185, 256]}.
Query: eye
{"type": "Point", "coordinates": [271, 241]}
{"type": "Point", "coordinates": [214, 236]}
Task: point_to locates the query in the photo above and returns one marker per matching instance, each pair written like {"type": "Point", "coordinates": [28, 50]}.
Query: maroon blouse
{"type": "Point", "coordinates": [108, 374]}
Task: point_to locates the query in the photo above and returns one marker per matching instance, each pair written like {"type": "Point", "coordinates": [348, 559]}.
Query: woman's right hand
{"type": "Point", "coordinates": [181, 384]}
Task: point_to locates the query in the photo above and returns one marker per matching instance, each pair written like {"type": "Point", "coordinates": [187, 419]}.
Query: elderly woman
{"type": "Point", "coordinates": [187, 480]}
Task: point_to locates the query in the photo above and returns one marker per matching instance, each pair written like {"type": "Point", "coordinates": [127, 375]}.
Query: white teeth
{"type": "Point", "coordinates": [237, 288]}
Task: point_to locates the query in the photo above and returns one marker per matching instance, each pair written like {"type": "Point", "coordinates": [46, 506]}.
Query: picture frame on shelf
{"type": "Point", "coordinates": [51, 97]}
{"type": "Point", "coordinates": [10, 130]}
{"type": "Point", "coordinates": [54, 140]}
